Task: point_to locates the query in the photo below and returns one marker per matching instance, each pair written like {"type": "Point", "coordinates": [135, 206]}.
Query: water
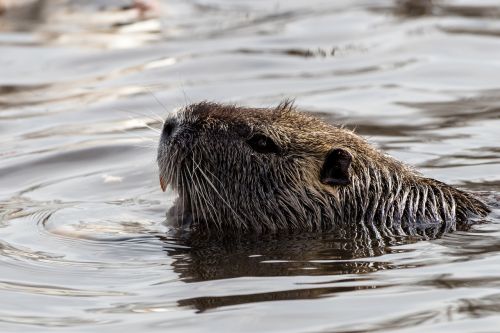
{"type": "Point", "coordinates": [83, 247]}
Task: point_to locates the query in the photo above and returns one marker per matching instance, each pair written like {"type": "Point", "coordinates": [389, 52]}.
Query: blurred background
{"type": "Point", "coordinates": [84, 86]}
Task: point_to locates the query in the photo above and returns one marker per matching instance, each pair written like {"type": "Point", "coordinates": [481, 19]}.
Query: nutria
{"type": "Point", "coordinates": [267, 170]}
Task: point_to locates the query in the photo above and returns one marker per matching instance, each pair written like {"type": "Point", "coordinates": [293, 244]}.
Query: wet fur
{"type": "Point", "coordinates": [226, 187]}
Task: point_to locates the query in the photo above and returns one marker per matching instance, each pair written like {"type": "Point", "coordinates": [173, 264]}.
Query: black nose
{"type": "Point", "coordinates": [168, 129]}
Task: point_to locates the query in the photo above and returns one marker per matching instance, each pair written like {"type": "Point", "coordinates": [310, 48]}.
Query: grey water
{"type": "Point", "coordinates": [84, 86]}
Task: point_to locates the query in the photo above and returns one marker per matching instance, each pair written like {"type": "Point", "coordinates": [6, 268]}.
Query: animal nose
{"type": "Point", "coordinates": [168, 129]}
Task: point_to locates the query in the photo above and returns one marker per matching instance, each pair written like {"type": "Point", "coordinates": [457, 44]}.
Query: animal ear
{"type": "Point", "coordinates": [335, 170]}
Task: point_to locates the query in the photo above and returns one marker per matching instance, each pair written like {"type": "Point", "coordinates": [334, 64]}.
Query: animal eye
{"type": "Point", "coordinates": [263, 144]}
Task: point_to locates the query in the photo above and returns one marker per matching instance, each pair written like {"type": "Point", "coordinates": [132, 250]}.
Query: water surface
{"type": "Point", "coordinates": [83, 246]}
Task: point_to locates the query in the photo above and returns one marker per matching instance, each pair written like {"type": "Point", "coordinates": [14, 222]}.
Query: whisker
{"type": "Point", "coordinates": [157, 100]}
{"type": "Point", "coordinates": [195, 190]}
{"type": "Point", "coordinates": [204, 196]}
{"type": "Point", "coordinates": [159, 119]}
{"type": "Point", "coordinates": [223, 200]}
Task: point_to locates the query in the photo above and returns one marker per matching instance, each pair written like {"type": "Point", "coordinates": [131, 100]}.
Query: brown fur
{"type": "Point", "coordinates": [226, 186]}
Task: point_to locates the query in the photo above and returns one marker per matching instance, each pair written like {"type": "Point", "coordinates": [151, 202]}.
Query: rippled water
{"type": "Point", "coordinates": [83, 247]}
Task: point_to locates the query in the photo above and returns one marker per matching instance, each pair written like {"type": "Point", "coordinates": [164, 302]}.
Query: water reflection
{"type": "Point", "coordinates": [202, 304]}
{"type": "Point", "coordinates": [292, 255]}
{"type": "Point", "coordinates": [92, 24]}
{"type": "Point", "coordinates": [418, 8]}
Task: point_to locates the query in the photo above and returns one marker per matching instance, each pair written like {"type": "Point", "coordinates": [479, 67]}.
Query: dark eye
{"type": "Point", "coordinates": [263, 144]}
